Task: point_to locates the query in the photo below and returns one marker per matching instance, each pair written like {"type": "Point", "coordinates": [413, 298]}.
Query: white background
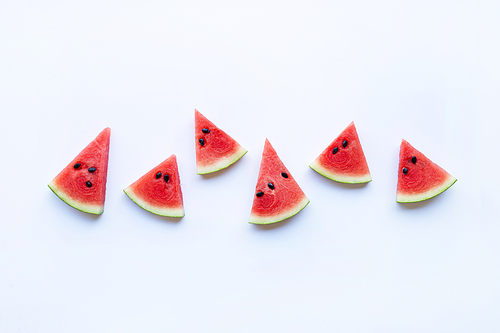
{"type": "Point", "coordinates": [297, 73]}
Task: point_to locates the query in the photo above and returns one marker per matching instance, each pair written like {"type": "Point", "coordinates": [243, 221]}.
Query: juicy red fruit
{"type": "Point", "coordinates": [343, 160]}
{"type": "Point", "coordinates": [419, 178]}
{"type": "Point", "coordinates": [82, 184]}
{"type": "Point", "coordinates": [277, 194]}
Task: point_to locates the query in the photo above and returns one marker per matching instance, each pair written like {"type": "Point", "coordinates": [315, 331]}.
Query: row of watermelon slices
{"type": "Point", "coordinates": [82, 184]}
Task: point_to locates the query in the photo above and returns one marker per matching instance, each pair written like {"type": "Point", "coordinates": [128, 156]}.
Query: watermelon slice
{"type": "Point", "coordinates": [418, 177]}
{"type": "Point", "coordinates": [343, 160]}
{"type": "Point", "coordinates": [215, 150]}
{"type": "Point", "coordinates": [277, 194]}
{"type": "Point", "coordinates": [159, 190]}
{"type": "Point", "coordinates": [82, 184]}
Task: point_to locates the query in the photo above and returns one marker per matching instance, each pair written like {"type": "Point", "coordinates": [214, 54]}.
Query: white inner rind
{"type": "Point", "coordinates": [349, 179]}
{"type": "Point", "coordinates": [406, 198]}
{"type": "Point", "coordinates": [87, 208]}
{"type": "Point", "coordinates": [258, 219]}
{"type": "Point", "coordinates": [163, 211]}
{"type": "Point", "coordinates": [222, 163]}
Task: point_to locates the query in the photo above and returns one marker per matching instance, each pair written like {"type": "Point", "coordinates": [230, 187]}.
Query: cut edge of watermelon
{"type": "Point", "coordinates": [346, 179]}
{"type": "Point", "coordinates": [222, 163]}
{"type": "Point", "coordinates": [409, 198]}
{"type": "Point", "coordinates": [256, 219]}
{"type": "Point", "coordinates": [86, 208]}
{"type": "Point", "coordinates": [168, 212]}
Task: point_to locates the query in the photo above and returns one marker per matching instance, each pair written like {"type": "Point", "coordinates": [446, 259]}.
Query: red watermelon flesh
{"type": "Point", "coordinates": [82, 184]}
{"type": "Point", "coordinates": [215, 150]}
{"type": "Point", "coordinates": [159, 190]}
{"type": "Point", "coordinates": [277, 194]}
{"type": "Point", "coordinates": [418, 177]}
{"type": "Point", "coordinates": [343, 160]}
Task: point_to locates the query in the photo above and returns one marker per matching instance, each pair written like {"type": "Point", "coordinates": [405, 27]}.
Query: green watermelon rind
{"type": "Point", "coordinates": [411, 198]}
{"type": "Point", "coordinates": [256, 219]}
{"type": "Point", "coordinates": [346, 179]}
{"type": "Point", "coordinates": [222, 163]}
{"type": "Point", "coordinates": [168, 212]}
{"type": "Point", "coordinates": [86, 208]}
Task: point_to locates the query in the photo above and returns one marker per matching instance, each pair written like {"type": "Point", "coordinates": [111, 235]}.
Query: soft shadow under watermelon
{"type": "Point", "coordinates": [420, 204]}
{"type": "Point", "coordinates": [218, 172]}
{"type": "Point", "coordinates": [164, 219]}
{"type": "Point", "coordinates": [339, 184]}
{"type": "Point", "coordinates": [276, 225]}
{"type": "Point", "coordinates": [155, 217]}
{"type": "Point", "coordinates": [76, 212]}
{"type": "Point", "coordinates": [86, 216]}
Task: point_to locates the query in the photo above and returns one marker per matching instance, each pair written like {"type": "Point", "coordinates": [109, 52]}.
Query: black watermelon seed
{"type": "Point", "coordinates": [89, 184]}
{"type": "Point", "coordinates": [202, 142]}
{"type": "Point", "coordinates": [92, 169]}
{"type": "Point", "coordinates": [259, 194]}
{"type": "Point", "coordinates": [158, 175]}
{"type": "Point", "coordinates": [405, 171]}
{"type": "Point", "coordinates": [270, 185]}
{"type": "Point", "coordinates": [166, 177]}
{"type": "Point", "coordinates": [414, 159]}
{"type": "Point", "coordinates": [335, 150]}
{"type": "Point", "coordinates": [344, 144]}
{"type": "Point", "coordinates": [77, 165]}
{"type": "Point", "coordinates": [205, 130]}
{"type": "Point", "coordinates": [284, 175]}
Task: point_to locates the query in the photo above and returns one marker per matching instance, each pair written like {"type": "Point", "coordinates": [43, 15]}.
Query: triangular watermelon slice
{"type": "Point", "coordinates": [277, 194]}
{"type": "Point", "coordinates": [343, 160]}
{"type": "Point", "coordinates": [159, 190]}
{"type": "Point", "coordinates": [418, 177]}
{"type": "Point", "coordinates": [82, 184]}
{"type": "Point", "coordinates": [215, 150]}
